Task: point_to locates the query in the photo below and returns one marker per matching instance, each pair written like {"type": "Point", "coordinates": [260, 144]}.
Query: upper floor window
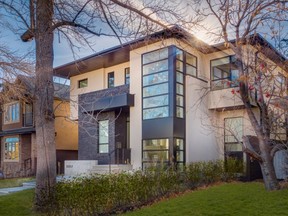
{"type": "Point", "coordinates": [127, 76]}
{"type": "Point", "coordinates": [11, 113]}
{"type": "Point", "coordinates": [224, 73]}
{"type": "Point", "coordinates": [155, 84]}
{"type": "Point", "coordinates": [111, 80]}
{"type": "Point", "coordinates": [191, 65]}
{"type": "Point", "coordinates": [11, 149]}
{"type": "Point", "coordinates": [83, 83]}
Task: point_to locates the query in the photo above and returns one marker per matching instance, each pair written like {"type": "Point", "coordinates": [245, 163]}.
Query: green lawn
{"type": "Point", "coordinates": [17, 204]}
{"type": "Point", "coordinates": [15, 182]}
{"type": "Point", "coordinates": [226, 199]}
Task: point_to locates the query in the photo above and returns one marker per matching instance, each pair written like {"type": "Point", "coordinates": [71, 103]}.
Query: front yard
{"type": "Point", "coordinates": [15, 182]}
{"type": "Point", "coordinates": [223, 199]}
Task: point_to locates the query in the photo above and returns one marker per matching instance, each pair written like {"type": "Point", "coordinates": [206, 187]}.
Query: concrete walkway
{"type": "Point", "coordinates": [27, 185]}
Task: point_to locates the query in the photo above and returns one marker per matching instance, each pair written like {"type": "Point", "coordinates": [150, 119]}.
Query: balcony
{"type": "Point", "coordinates": [28, 120]}
{"type": "Point", "coordinates": [223, 95]}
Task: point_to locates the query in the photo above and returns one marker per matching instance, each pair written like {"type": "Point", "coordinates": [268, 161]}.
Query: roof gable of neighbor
{"type": "Point", "coordinates": [25, 86]}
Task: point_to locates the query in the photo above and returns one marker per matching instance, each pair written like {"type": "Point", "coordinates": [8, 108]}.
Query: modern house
{"type": "Point", "coordinates": [161, 99]}
{"type": "Point", "coordinates": [17, 129]}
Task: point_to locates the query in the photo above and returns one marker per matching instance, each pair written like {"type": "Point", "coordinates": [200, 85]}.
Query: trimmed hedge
{"type": "Point", "coordinates": [113, 193]}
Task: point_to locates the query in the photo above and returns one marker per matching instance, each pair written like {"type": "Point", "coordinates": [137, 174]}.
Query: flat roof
{"type": "Point", "coordinates": [121, 53]}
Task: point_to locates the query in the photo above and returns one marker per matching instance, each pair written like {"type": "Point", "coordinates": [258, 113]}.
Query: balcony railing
{"type": "Point", "coordinates": [223, 83]}
{"type": "Point", "coordinates": [27, 119]}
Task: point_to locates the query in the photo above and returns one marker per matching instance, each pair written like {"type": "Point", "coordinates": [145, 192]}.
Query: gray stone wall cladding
{"type": "Point", "coordinates": [88, 137]}
{"type": "Point", "coordinates": [88, 125]}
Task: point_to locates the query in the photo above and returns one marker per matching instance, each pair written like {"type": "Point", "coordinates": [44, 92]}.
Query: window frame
{"type": "Point", "coordinates": [196, 66]}
{"type": "Point", "coordinates": [99, 132]}
{"type": "Point", "coordinates": [127, 75]}
{"type": "Point", "coordinates": [229, 78]}
{"type": "Point", "coordinates": [4, 149]}
{"type": "Point", "coordinates": [164, 150]}
{"type": "Point", "coordinates": [82, 80]}
{"type": "Point", "coordinates": [166, 82]}
{"type": "Point", "coordinates": [226, 143]}
{"type": "Point", "coordinates": [10, 106]}
{"type": "Point", "coordinates": [110, 85]}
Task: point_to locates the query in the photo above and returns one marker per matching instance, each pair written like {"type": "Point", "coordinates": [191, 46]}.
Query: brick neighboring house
{"type": "Point", "coordinates": [17, 131]}
{"type": "Point", "coordinates": [138, 103]}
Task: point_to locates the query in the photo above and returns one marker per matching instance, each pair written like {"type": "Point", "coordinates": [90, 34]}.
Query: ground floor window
{"type": "Point", "coordinates": [155, 151]}
{"type": "Point", "coordinates": [11, 149]}
{"type": "Point", "coordinates": [104, 136]}
{"type": "Point", "coordinates": [233, 132]}
{"type": "Point", "coordinates": [180, 152]}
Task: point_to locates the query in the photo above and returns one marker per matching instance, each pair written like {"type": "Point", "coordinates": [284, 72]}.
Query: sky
{"type": "Point", "coordinates": [62, 52]}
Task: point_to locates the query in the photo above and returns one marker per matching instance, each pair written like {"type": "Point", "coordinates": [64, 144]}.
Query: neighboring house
{"type": "Point", "coordinates": [160, 99]}
{"type": "Point", "coordinates": [17, 130]}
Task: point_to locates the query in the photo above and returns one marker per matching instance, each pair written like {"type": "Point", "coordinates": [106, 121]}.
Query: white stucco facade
{"type": "Point", "coordinates": [205, 109]}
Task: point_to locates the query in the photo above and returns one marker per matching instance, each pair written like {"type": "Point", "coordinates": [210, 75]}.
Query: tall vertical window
{"type": "Point", "coordinates": [155, 151]}
{"type": "Point", "coordinates": [224, 73]}
{"type": "Point", "coordinates": [233, 134]}
{"type": "Point", "coordinates": [11, 113]}
{"type": "Point", "coordinates": [111, 80]}
{"type": "Point", "coordinates": [127, 76]}
{"type": "Point", "coordinates": [155, 84]}
{"type": "Point", "coordinates": [179, 84]}
{"type": "Point", "coordinates": [11, 149]}
{"type": "Point", "coordinates": [82, 83]}
{"type": "Point", "coordinates": [104, 136]}
{"type": "Point", "coordinates": [191, 65]}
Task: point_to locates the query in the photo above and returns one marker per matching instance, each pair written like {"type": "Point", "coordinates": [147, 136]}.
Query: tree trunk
{"type": "Point", "coordinates": [44, 93]}
{"type": "Point", "coordinates": [267, 167]}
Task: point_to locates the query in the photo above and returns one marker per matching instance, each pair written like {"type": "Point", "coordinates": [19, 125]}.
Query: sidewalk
{"type": "Point", "coordinates": [26, 185]}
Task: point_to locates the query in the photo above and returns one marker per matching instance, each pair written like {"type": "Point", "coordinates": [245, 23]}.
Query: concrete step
{"type": "Point", "coordinates": [114, 168]}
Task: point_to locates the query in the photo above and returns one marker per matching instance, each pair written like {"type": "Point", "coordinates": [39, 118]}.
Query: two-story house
{"type": "Point", "coordinates": [17, 130]}
{"type": "Point", "coordinates": [166, 98]}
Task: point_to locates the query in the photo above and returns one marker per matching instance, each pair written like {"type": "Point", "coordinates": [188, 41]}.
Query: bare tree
{"type": "Point", "coordinates": [259, 84]}
{"type": "Point", "coordinates": [75, 20]}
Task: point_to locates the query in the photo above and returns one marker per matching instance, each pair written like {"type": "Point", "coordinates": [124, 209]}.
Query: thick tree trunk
{"type": "Point", "coordinates": [267, 167]}
{"type": "Point", "coordinates": [266, 163]}
{"type": "Point", "coordinates": [44, 92]}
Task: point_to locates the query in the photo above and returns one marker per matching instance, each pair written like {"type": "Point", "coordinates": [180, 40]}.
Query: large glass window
{"type": "Point", "coordinates": [155, 55]}
{"type": "Point", "coordinates": [155, 84]}
{"type": "Point", "coordinates": [224, 73]}
{"type": "Point", "coordinates": [155, 151]}
{"type": "Point", "coordinates": [111, 80]}
{"type": "Point", "coordinates": [11, 149]}
{"type": "Point", "coordinates": [11, 113]}
{"type": "Point", "coordinates": [179, 83]}
{"type": "Point", "coordinates": [233, 134]}
{"type": "Point", "coordinates": [104, 136]}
